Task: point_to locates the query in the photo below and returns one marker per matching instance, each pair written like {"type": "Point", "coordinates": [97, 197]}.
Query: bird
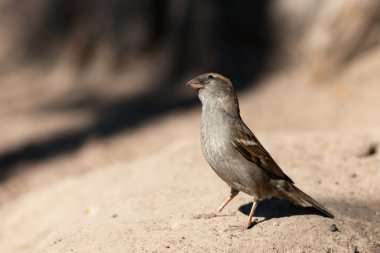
{"type": "Point", "coordinates": [234, 152]}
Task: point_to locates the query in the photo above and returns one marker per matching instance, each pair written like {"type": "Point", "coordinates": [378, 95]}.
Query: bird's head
{"type": "Point", "coordinates": [216, 91]}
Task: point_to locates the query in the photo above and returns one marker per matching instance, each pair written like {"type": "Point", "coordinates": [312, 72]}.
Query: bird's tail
{"type": "Point", "coordinates": [299, 197]}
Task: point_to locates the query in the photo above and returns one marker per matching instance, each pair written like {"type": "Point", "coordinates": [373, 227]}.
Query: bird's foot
{"type": "Point", "coordinates": [212, 215]}
{"type": "Point", "coordinates": [252, 223]}
{"type": "Point", "coordinates": [205, 216]}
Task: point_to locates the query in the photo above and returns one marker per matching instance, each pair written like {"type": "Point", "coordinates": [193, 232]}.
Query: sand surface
{"type": "Point", "coordinates": [150, 190]}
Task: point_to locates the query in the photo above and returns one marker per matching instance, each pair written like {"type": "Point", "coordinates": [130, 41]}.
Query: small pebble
{"type": "Point", "coordinates": [91, 210]}
{"type": "Point", "coordinates": [354, 175]}
{"type": "Point", "coordinates": [334, 228]}
{"type": "Point", "coordinates": [368, 150]}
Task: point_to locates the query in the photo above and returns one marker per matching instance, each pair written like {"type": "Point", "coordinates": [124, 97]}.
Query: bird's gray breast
{"type": "Point", "coordinates": [216, 139]}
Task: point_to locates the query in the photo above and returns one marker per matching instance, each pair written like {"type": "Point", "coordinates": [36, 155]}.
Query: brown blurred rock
{"type": "Point", "coordinates": [342, 30]}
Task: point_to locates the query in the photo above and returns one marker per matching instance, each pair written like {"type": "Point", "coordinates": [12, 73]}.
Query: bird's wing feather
{"type": "Point", "coordinates": [248, 145]}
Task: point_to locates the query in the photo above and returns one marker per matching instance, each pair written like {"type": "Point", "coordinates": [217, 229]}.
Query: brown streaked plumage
{"type": "Point", "coordinates": [234, 152]}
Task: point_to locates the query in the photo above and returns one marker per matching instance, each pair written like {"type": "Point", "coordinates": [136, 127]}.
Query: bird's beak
{"type": "Point", "coordinates": [195, 84]}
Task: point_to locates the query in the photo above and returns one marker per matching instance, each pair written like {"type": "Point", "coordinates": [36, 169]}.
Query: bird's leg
{"type": "Point", "coordinates": [254, 205]}
{"type": "Point", "coordinates": [233, 194]}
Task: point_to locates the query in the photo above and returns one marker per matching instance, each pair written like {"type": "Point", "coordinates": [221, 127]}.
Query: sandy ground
{"type": "Point", "coordinates": [150, 190]}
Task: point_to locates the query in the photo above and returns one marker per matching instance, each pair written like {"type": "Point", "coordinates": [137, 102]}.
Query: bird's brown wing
{"type": "Point", "coordinates": [248, 145]}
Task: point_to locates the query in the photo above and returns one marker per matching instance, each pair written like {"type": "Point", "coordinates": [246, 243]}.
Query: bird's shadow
{"type": "Point", "coordinates": [277, 208]}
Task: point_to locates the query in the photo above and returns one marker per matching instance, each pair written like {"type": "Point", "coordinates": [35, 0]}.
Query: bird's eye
{"type": "Point", "coordinates": [210, 77]}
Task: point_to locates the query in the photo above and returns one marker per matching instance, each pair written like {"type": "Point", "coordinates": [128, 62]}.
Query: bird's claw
{"type": "Point", "coordinates": [252, 223]}
{"type": "Point", "coordinates": [212, 215]}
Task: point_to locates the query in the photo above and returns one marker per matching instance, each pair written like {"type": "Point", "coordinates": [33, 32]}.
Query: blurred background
{"type": "Point", "coordinates": [80, 81]}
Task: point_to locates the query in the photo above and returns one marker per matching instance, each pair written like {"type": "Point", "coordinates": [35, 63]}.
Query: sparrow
{"type": "Point", "coordinates": [234, 152]}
